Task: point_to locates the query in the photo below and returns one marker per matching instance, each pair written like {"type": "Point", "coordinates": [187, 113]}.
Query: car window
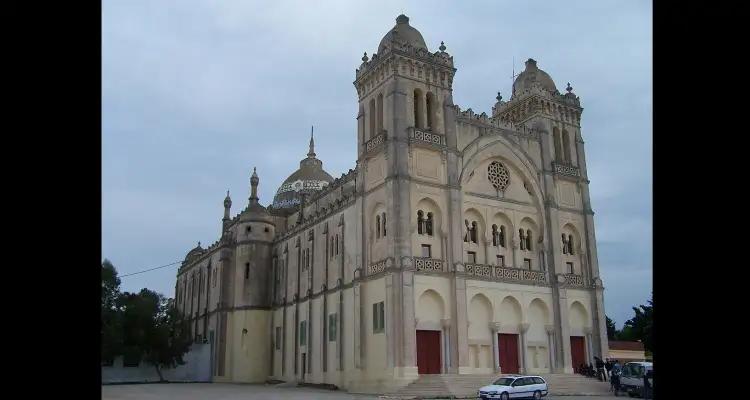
{"type": "Point", "coordinates": [504, 381]}
{"type": "Point", "coordinates": [518, 382]}
{"type": "Point", "coordinates": [538, 381]}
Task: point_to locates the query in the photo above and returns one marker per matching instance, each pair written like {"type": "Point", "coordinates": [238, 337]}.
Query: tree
{"type": "Point", "coordinates": [111, 321]}
{"type": "Point", "coordinates": [611, 328]}
{"type": "Point", "coordinates": [640, 327]}
{"type": "Point", "coordinates": [154, 329]}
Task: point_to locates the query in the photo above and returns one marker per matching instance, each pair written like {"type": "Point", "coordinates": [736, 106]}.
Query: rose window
{"type": "Point", "coordinates": [498, 175]}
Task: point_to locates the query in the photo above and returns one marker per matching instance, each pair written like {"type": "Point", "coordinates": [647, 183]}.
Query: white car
{"type": "Point", "coordinates": [515, 387]}
{"type": "Point", "coordinates": [631, 378]}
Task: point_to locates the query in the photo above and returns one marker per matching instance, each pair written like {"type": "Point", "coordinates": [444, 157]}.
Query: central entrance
{"type": "Point", "coordinates": [507, 346]}
{"type": "Point", "coordinates": [428, 352]}
{"type": "Point", "coordinates": [577, 351]}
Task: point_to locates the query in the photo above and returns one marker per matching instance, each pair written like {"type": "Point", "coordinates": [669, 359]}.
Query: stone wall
{"type": "Point", "coordinates": [197, 368]}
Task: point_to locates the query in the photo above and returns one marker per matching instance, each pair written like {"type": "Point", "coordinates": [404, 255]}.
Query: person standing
{"type": "Point", "coordinates": [614, 379]}
{"type": "Point", "coordinates": [648, 384]}
{"type": "Point", "coordinates": [600, 369]}
{"type": "Point", "coordinates": [608, 368]}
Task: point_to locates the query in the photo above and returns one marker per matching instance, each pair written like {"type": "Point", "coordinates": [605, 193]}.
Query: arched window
{"type": "Point", "coordinates": [420, 222]}
{"type": "Point", "coordinates": [495, 237]}
{"type": "Point", "coordinates": [522, 234]}
{"type": "Point", "coordinates": [570, 244]}
{"type": "Point", "coordinates": [373, 117]}
{"type": "Point", "coordinates": [558, 144]}
{"type": "Point", "coordinates": [418, 109]}
{"type": "Point", "coordinates": [331, 253]}
{"type": "Point", "coordinates": [337, 244]}
{"type": "Point", "coordinates": [430, 102]}
{"type": "Point", "coordinates": [428, 224]}
{"type": "Point", "coordinates": [565, 244]}
{"type": "Point", "coordinates": [566, 146]}
{"type": "Point", "coordinates": [383, 224]}
{"type": "Point", "coordinates": [528, 240]}
{"type": "Point", "coordinates": [502, 235]}
{"type": "Point", "coordinates": [468, 231]}
{"type": "Point", "coordinates": [474, 231]}
{"type": "Point", "coordinates": [380, 112]}
{"type": "Point", "coordinates": [377, 224]}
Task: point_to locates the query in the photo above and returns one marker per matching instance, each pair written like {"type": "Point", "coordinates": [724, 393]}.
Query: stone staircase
{"type": "Point", "coordinates": [466, 386]}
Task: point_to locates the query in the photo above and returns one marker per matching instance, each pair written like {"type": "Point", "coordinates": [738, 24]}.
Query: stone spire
{"type": "Point", "coordinates": [227, 205]}
{"type": "Point", "coordinates": [311, 153]}
{"type": "Point", "coordinates": [254, 187]}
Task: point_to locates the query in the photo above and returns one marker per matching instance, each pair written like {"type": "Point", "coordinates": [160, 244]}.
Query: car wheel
{"type": "Point", "coordinates": [504, 396]}
{"type": "Point", "coordinates": [537, 395]}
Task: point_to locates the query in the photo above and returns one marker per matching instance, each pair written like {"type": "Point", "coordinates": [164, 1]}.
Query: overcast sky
{"type": "Point", "coordinates": [197, 93]}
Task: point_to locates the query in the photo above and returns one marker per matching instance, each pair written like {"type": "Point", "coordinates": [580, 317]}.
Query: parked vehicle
{"type": "Point", "coordinates": [631, 379]}
{"type": "Point", "coordinates": [515, 387]}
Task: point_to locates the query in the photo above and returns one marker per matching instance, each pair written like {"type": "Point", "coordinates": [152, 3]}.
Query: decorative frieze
{"type": "Point", "coordinates": [375, 141]}
{"type": "Point", "coordinates": [573, 280]}
{"type": "Point", "coordinates": [566, 169]}
{"type": "Point", "coordinates": [418, 135]}
{"type": "Point", "coordinates": [429, 264]}
{"type": "Point", "coordinates": [377, 267]}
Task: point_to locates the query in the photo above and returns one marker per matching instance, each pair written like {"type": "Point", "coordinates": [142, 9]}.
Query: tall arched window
{"type": "Point", "coordinates": [570, 244]}
{"type": "Point", "coordinates": [418, 109]}
{"type": "Point", "coordinates": [380, 112]}
{"type": "Point", "coordinates": [558, 144]}
{"type": "Point", "coordinates": [528, 240]}
{"type": "Point", "coordinates": [420, 222]}
{"type": "Point", "coordinates": [331, 253]}
{"type": "Point", "coordinates": [377, 224]}
{"type": "Point", "coordinates": [337, 244]}
{"type": "Point", "coordinates": [565, 244]}
{"type": "Point", "coordinates": [373, 117]}
{"type": "Point", "coordinates": [474, 231]}
{"type": "Point", "coordinates": [566, 146]}
{"type": "Point", "coordinates": [383, 224]}
{"type": "Point", "coordinates": [428, 224]}
{"type": "Point", "coordinates": [495, 237]}
{"type": "Point", "coordinates": [430, 102]}
{"type": "Point", "coordinates": [468, 231]}
{"type": "Point", "coordinates": [522, 234]}
{"type": "Point", "coordinates": [502, 235]}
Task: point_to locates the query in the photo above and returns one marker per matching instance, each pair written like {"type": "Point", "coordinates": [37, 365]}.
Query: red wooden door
{"type": "Point", "coordinates": [428, 352]}
{"type": "Point", "coordinates": [577, 352]}
{"type": "Point", "coordinates": [507, 345]}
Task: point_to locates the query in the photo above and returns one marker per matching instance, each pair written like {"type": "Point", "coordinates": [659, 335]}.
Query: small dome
{"type": "Point", "coordinates": [309, 179]}
{"type": "Point", "coordinates": [533, 76]}
{"type": "Point", "coordinates": [402, 33]}
{"type": "Point", "coordinates": [195, 252]}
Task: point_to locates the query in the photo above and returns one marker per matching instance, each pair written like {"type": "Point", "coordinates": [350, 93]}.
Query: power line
{"type": "Point", "coordinates": [150, 269]}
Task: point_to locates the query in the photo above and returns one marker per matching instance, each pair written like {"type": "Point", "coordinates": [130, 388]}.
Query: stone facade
{"type": "Point", "coordinates": [473, 229]}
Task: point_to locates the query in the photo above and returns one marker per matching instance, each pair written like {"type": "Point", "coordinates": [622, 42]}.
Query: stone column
{"type": "Point", "coordinates": [587, 331]}
{"type": "Point", "coordinates": [523, 328]}
{"type": "Point", "coordinates": [495, 328]}
{"type": "Point", "coordinates": [550, 345]}
{"type": "Point", "coordinates": [486, 249]}
{"type": "Point", "coordinates": [446, 349]}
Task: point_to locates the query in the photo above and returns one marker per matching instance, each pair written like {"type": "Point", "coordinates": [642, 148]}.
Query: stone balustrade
{"type": "Point", "coordinates": [429, 264]}
{"type": "Point", "coordinates": [567, 169]}
{"type": "Point", "coordinates": [375, 141]}
{"type": "Point", "coordinates": [418, 135]}
{"type": "Point", "coordinates": [376, 267]}
{"type": "Point", "coordinates": [507, 274]}
{"type": "Point", "coordinates": [574, 280]}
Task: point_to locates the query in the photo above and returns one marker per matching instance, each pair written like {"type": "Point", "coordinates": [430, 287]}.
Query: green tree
{"type": "Point", "coordinates": [154, 329]}
{"type": "Point", "coordinates": [611, 328]}
{"type": "Point", "coordinates": [111, 321]}
{"type": "Point", "coordinates": [640, 327]}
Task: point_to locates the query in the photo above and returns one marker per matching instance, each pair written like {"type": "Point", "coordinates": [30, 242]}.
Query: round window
{"type": "Point", "coordinates": [498, 175]}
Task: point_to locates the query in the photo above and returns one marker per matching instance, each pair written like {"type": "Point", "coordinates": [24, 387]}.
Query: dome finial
{"type": "Point", "coordinates": [569, 88]}
{"type": "Point", "coordinates": [364, 57]}
{"type": "Point", "coordinates": [311, 153]}
{"type": "Point", "coordinates": [442, 46]}
{"type": "Point", "coordinates": [499, 97]}
{"type": "Point", "coordinates": [402, 19]}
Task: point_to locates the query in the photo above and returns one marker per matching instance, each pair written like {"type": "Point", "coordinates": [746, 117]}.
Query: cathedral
{"type": "Point", "coordinates": [461, 243]}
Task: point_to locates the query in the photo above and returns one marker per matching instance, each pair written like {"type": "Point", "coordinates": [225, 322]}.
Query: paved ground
{"type": "Point", "coordinates": [229, 391]}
